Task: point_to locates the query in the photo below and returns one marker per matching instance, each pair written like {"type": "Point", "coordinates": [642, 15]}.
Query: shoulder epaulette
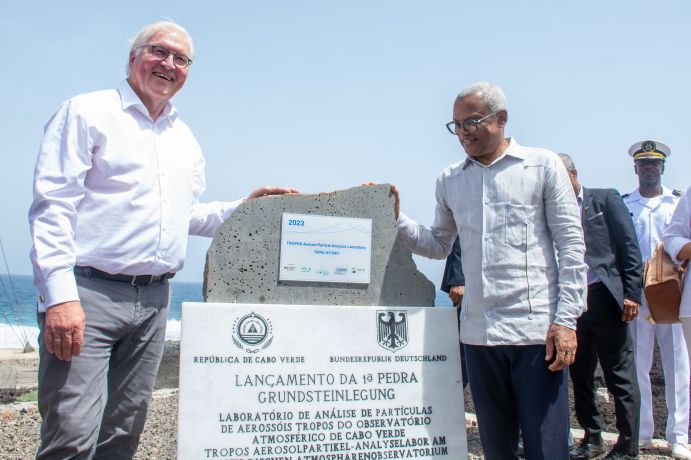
{"type": "Point", "coordinates": [677, 192]}
{"type": "Point", "coordinates": [625, 195]}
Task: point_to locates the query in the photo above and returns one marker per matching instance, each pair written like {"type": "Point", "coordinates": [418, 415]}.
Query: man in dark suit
{"type": "Point", "coordinates": [614, 296]}
{"type": "Point", "coordinates": [453, 283]}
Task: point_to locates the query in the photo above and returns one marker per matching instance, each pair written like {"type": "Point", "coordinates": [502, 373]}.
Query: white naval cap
{"type": "Point", "coordinates": [650, 150]}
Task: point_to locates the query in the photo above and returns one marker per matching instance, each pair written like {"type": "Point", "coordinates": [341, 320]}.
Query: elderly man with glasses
{"type": "Point", "coordinates": [116, 191]}
{"type": "Point", "coordinates": [522, 248]}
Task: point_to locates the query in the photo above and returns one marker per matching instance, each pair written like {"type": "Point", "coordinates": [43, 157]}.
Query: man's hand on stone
{"type": "Point", "coordinates": [396, 198]}
{"type": "Point", "coordinates": [456, 295]}
{"type": "Point", "coordinates": [630, 310]}
{"type": "Point", "coordinates": [63, 331]}
{"type": "Point", "coordinates": [561, 344]}
{"type": "Point", "coordinates": [396, 201]}
{"type": "Point", "coordinates": [266, 191]}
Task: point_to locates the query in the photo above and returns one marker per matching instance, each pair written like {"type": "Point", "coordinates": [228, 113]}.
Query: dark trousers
{"type": "Point", "coordinates": [464, 368]}
{"type": "Point", "coordinates": [512, 386]}
{"type": "Point", "coordinates": [603, 335]}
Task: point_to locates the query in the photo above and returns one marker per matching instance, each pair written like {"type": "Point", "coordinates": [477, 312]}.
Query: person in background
{"type": "Point", "coordinates": [651, 206]}
{"type": "Point", "coordinates": [677, 241]}
{"type": "Point", "coordinates": [453, 283]}
{"type": "Point", "coordinates": [522, 247]}
{"type": "Point", "coordinates": [116, 192]}
{"type": "Point", "coordinates": [614, 296]}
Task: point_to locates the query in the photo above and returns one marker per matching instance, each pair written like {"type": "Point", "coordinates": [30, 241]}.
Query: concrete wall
{"type": "Point", "coordinates": [243, 261]}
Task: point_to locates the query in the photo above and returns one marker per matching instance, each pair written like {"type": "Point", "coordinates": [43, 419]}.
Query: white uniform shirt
{"type": "Point", "coordinates": [116, 191]}
{"type": "Point", "coordinates": [676, 236]}
{"type": "Point", "coordinates": [510, 216]}
{"type": "Point", "coordinates": [650, 217]}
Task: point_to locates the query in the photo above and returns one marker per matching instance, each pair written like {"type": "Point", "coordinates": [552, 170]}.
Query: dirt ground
{"type": "Point", "coordinates": [161, 428]}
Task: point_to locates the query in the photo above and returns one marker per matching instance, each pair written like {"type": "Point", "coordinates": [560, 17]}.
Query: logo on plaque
{"type": "Point", "coordinates": [252, 333]}
{"type": "Point", "coordinates": [392, 329]}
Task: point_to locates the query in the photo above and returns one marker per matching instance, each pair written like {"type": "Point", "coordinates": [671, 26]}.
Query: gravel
{"type": "Point", "coordinates": [20, 423]}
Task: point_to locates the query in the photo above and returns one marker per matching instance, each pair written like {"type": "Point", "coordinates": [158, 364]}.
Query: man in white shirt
{"type": "Point", "coordinates": [677, 239]}
{"type": "Point", "coordinates": [651, 206]}
{"type": "Point", "coordinates": [116, 191]}
{"type": "Point", "coordinates": [522, 248]}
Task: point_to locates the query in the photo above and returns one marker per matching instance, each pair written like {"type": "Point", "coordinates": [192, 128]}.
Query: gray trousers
{"type": "Point", "coordinates": [95, 405]}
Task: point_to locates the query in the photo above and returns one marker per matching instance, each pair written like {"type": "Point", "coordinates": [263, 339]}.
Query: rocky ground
{"type": "Point", "coordinates": [20, 421]}
{"type": "Point", "coordinates": [19, 427]}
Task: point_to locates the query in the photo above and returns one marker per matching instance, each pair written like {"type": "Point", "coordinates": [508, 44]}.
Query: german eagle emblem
{"type": "Point", "coordinates": [392, 329]}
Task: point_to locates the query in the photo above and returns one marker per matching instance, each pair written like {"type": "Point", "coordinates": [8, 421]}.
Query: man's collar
{"type": "Point", "coordinates": [130, 99]}
{"type": "Point", "coordinates": [513, 150]}
{"type": "Point", "coordinates": [666, 193]}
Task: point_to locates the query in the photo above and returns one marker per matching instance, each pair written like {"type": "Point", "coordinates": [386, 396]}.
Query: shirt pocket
{"type": "Point", "coordinates": [515, 225]}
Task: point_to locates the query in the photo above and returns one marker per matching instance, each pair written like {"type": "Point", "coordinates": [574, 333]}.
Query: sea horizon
{"type": "Point", "coordinates": [18, 308]}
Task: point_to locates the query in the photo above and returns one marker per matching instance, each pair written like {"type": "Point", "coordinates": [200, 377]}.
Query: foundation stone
{"type": "Point", "coordinates": [242, 263]}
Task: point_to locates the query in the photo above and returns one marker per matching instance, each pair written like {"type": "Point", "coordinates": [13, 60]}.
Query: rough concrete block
{"type": "Point", "coordinates": [242, 263]}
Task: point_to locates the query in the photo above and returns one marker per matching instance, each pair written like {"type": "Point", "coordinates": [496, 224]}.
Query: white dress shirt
{"type": "Point", "coordinates": [117, 191]}
{"type": "Point", "coordinates": [511, 217]}
{"type": "Point", "coordinates": [650, 217]}
{"type": "Point", "coordinates": [676, 236]}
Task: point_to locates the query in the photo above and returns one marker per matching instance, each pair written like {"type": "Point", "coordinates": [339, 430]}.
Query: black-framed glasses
{"type": "Point", "coordinates": [469, 126]}
{"type": "Point", "coordinates": [161, 53]}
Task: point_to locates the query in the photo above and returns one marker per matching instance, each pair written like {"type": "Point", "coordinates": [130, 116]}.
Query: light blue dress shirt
{"type": "Point", "coordinates": [521, 242]}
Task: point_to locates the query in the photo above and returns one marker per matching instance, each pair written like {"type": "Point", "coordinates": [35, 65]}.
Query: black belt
{"type": "Point", "coordinates": [134, 280]}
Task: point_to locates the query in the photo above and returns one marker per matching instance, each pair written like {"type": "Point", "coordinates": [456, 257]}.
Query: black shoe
{"type": "Point", "coordinates": [592, 446]}
{"type": "Point", "coordinates": [616, 455]}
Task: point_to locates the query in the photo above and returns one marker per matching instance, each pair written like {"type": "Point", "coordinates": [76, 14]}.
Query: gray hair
{"type": "Point", "coordinates": [568, 162]}
{"type": "Point", "coordinates": [491, 94]}
{"type": "Point", "coordinates": [142, 38]}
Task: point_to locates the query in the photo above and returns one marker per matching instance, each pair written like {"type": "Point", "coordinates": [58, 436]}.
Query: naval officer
{"type": "Point", "coordinates": [651, 206]}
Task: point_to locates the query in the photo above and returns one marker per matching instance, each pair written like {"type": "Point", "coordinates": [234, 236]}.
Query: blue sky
{"type": "Point", "coordinates": [325, 95]}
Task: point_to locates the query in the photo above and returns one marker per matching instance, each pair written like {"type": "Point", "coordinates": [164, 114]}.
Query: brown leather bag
{"type": "Point", "coordinates": [663, 281]}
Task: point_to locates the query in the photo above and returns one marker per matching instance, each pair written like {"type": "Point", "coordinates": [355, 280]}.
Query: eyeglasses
{"type": "Point", "coordinates": [161, 53]}
{"type": "Point", "coordinates": [469, 126]}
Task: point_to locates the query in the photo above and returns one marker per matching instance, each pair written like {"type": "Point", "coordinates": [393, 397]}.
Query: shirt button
{"type": "Point", "coordinates": [487, 201]}
{"type": "Point", "coordinates": [487, 236]}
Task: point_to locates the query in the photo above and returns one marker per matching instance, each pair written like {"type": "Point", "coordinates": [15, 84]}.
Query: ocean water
{"type": "Point", "coordinates": [18, 309]}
